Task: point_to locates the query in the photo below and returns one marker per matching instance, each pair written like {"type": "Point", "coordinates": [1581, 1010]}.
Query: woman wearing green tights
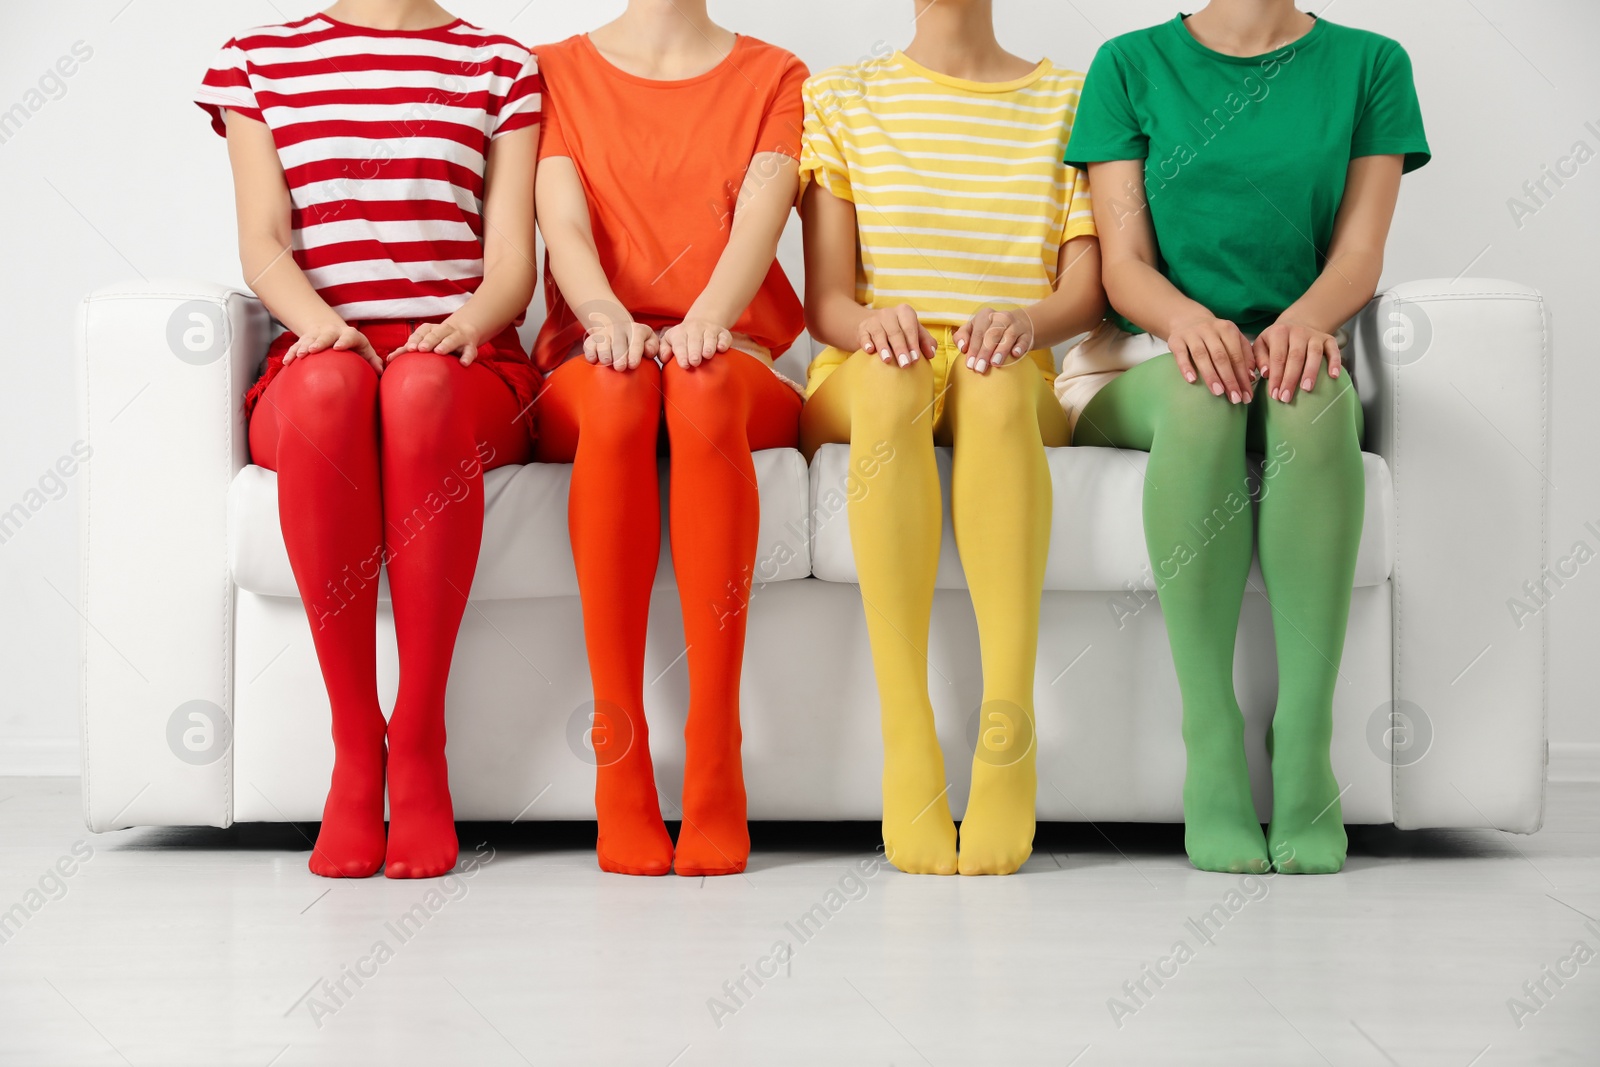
{"type": "Point", "coordinates": [1244, 164]}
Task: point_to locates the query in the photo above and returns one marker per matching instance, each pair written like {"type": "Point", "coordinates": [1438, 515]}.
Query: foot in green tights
{"type": "Point", "coordinates": [1307, 832]}
{"type": "Point", "coordinates": [1220, 829]}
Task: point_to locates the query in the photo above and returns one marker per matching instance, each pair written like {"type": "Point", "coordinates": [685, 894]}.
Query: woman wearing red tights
{"type": "Point", "coordinates": [383, 156]}
{"type": "Point", "coordinates": [666, 174]}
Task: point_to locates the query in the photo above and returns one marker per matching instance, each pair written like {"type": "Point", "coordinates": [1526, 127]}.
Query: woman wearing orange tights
{"type": "Point", "coordinates": [667, 170]}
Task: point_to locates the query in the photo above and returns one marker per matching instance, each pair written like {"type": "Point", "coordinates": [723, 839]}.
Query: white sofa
{"type": "Point", "coordinates": [202, 703]}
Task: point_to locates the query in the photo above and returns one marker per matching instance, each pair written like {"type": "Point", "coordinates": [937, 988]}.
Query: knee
{"type": "Point", "coordinates": [890, 398]}
{"type": "Point", "coordinates": [704, 406]}
{"type": "Point", "coordinates": [1319, 425]}
{"type": "Point", "coordinates": [419, 397]}
{"type": "Point", "coordinates": [621, 410]}
{"type": "Point", "coordinates": [332, 388]}
{"type": "Point", "coordinates": [998, 400]}
{"type": "Point", "coordinates": [1202, 421]}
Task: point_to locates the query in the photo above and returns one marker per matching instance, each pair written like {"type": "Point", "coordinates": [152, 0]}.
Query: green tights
{"type": "Point", "coordinates": [1197, 528]}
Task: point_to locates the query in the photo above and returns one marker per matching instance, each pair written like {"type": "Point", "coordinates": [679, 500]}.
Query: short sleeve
{"type": "Point", "coordinates": [821, 155]}
{"type": "Point", "coordinates": [552, 138]}
{"type": "Point", "coordinates": [1080, 211]}
{"type": "Point", "coordinates": [1106, 126]}
{"type": "Point", "coordinates": [783, 126]}
{"type": "Point", "coordinates": [1390, 123]}
{"type": "Point", "coordinates": [226, 87]}
{"type": "Point", "coordinates": [523, 102]}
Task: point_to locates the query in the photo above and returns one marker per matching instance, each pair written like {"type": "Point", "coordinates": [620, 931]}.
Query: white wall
{"type": "Point", "coordinates": [117, 174]}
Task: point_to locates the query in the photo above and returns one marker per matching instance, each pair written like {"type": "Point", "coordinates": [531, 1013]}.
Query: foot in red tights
{"type": "Point", "coordinates": [351, 841]}
{"type": "Point", "coordinates": [422, 822]}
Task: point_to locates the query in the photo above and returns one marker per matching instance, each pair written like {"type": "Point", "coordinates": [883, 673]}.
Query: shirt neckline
{"type": "Point", "coordinates": [973, 86]}
{"type": "Point", "coordinates": [372, 31]}
{"type": "Point", "coordinates": [611, 68]}
{"type": "Point", "coordinates": [1309, 37]}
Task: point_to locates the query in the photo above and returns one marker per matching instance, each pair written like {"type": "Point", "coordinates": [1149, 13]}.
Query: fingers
{"type": "Point", "coordinates": [1335, 358]}
{"type": "Point", "coordinates": [1203, 363]}
{"type": "Point", "coordinates": [973, 327]}
{"type": "Point", "coordinates": [1232, 364]}
{"type": "Point", "coordinates": [1245, 367]}
{"type": "Point", "coordinates": [469, 352]}
{"type": "Point", "coordinates": [894, 335]}
{"type": "Point", "coordinates": [876, 339]}
{"type": "Point", "coordinates": [1180, 352]}
{"type": "Point", "coordinates": [900, 337]}
{"type": "Point", "coordinates": [1000, 343]}
{"type": "Point", "coordinates": [994, 337]}
{"type": "Point", "coordinates": [1221, 366]}
{"type": "Point", "coordinates": [1316, 352]}
{"type": "Point", "coordinates": [1010, 345]}
{"type": "Point", "coordinates": [987, 341]}
{"type": "Point", "coordinates": [1293, 367]}
{"type": "Point", "coordinates": [1277, 344]}
{"type": "Point", "coordinates": [352, 340]}
{"type": "Point", "coordinates": [635, 350]}
{"type": "Point", "coordinates": [313, 342]}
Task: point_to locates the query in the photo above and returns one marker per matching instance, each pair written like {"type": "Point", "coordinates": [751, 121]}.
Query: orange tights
{"type": "Point", "coordinates": [606, 422]}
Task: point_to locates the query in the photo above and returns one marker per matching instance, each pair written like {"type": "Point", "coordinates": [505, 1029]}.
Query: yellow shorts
{"type": "Point", "coordinates": [945, 357]}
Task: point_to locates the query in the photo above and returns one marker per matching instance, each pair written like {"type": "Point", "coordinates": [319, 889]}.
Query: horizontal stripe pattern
{"type": "Point", "coordinates": [961, 195]}
{"type": "Point", "coordinates": [384, 138]}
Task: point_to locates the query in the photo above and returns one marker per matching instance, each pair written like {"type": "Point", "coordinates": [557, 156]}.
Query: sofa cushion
{"type": "Point", "coordinates": [1097, 533]}
{"type": "Point", "coordinates": [526, 551]}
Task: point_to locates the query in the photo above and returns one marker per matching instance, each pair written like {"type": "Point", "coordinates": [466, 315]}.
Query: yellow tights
{"type": "Point", "coordinates": [997, 424]}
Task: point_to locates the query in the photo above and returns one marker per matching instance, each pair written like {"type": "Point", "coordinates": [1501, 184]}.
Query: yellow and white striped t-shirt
{"type": "Point", "coordinates": [961, 195]}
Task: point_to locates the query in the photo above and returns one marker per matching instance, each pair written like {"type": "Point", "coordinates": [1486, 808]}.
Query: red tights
{"type": "Point", "coordinates": [605, 423]}
{"type": "Point", "coordinates": [328, 424]}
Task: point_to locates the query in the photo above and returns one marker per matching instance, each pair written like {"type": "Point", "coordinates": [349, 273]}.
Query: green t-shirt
{"type": "Point", "coordinates": [1245, 158]}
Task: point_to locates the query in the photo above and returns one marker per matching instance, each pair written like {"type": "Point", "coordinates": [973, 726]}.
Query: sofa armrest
{"type": "Point", "coordinates": [1455, 380]}
{"type": "Point", "coordinates": [162, 368]}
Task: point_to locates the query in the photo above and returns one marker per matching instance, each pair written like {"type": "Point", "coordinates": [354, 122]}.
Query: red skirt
{"type": "Point", "coordinates": [503, 356]}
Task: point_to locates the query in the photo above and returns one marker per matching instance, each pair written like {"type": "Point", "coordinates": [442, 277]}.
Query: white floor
{"type": "Point", "coordinates": [213, 947]}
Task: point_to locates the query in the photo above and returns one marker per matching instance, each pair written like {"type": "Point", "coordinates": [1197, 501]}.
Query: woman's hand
{"type": "Point", "coordinates": [1216, 350]}
{"type": "Point", "coordinates": [337, 336]}
{"type": "Point", "coordinates": [616, 341]}
{"type": "Point", "coordinates": [450, 337]}
{"type": "Point", "coordinates": [895, 334]}
{"type": "Point", "coordinates": [1002, 336]}
{"type": "Point", "coordinates": [1290, 355]}
{"type": "Point", "coordinates": [694, 341]}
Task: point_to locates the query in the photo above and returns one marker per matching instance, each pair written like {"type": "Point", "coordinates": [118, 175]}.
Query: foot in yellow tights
{"type": "Point", "coordinates": [919, 836]}
{"type": "Point", "coordinates": [997, 832]}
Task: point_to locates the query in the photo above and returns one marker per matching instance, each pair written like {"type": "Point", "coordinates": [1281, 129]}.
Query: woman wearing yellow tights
{"type": "Point", "coordinates": [947, 248]}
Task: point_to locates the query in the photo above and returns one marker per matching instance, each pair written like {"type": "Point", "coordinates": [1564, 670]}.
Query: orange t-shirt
{"type": "Point", "coordinates": [662, 163]}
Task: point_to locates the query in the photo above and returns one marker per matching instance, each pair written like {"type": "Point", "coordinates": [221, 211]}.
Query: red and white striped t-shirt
{"type": "Point", "coordinates": [383, 136]}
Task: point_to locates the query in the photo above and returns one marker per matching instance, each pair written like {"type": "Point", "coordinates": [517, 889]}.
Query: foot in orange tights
{"type": "Point", "coordinates": [351, 841]}
{"type": "Point", "coordinates": [715, 838]}
{"type": "Point", "coordinates": [633, 838]}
